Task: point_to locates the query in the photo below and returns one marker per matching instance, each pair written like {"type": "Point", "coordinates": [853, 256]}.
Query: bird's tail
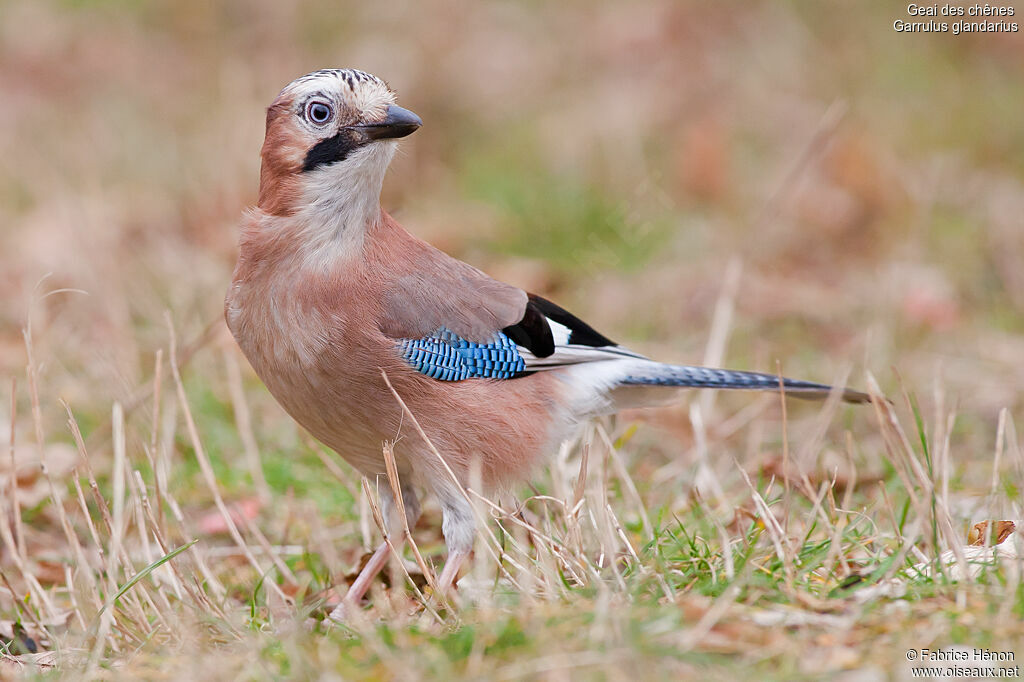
{"type": "Point", "coordinates": [686, 376]}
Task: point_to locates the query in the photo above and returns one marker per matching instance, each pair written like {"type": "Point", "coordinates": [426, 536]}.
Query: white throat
{"type": "Point", "coordinates": [340, 202]}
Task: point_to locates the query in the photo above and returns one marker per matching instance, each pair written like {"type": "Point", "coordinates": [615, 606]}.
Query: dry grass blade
{"type": "Point", "coordinates": [103, 431]}
{"type": "Point", "coordinates": [154, 438]}
{"type": "Point", "coordinates": [106, 616]}
{"type": "Point", "coordinates": [12, 487]}
{"type": "Point", "coordinates": [134, 580]}
{"type": "Point", "coordinates": [783, 550]}
{"type": "Point", "coordinates": [382, 526]}
{"type": "Point", "coordinates": [243, 419]}
{"type": "Point", "coordinates": [494, 548]}
{"type": "Point", "coordinates": [207, 470]}
{"type": "Point", "coordinates": [721, 323]}
{"type": "Point", "coordinates": [331, 464]}
{"type": "Point", "coordinates": [750, 204]}
{"type": "Point", "coordinates": [396, 492]}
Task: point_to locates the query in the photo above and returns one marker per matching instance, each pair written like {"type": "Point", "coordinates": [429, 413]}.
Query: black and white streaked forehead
{"type": "Point", "coordinates": [356, 89]}
{"type": "Point", "coordinates": [351, 77]}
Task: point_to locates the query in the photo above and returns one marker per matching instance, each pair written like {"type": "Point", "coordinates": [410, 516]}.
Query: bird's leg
{"type": "Point", "coordinates": [375, 565]}
{"type": "Point", "coordinates": [451, 569]}
{"type": "Point", "coordinates": [379, 559]}
{"type": "Point", "coordinates": [459, 529]}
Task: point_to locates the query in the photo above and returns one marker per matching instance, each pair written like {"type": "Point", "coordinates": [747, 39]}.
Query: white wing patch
{"type": "Point", "coordinates": [567, 354]}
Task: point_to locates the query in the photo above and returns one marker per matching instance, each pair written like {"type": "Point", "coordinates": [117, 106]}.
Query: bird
{"type": "Point", "coordinates": [342, 312]}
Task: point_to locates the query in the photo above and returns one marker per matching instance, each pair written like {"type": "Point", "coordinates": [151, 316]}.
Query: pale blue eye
{"type": "Point", "coordinates": [319, 112]}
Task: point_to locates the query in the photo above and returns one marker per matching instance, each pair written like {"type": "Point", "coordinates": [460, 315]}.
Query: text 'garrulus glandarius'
{"type": "Point", "coordinates": [330, 294]}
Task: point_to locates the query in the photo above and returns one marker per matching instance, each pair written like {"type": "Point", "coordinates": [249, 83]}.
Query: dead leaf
{"type": "Point", "coordinates": [246, 509]}
{"type": "Point", "coordinates": [32, 488]}
{"type": "Point", "coordinates": [1000, 531]}
{"type": "Point", "coordinates": [832, 468]}
{"type": "Point", "coordinates": [742, 520]}
{"type": "Point", "coordinates": [29, 639]}
{"type": "Point", "coordinates": [49, 572]}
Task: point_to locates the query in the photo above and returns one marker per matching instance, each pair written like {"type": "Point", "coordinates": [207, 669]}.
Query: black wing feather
{"type": "Point", "coordinates": [534, 331]}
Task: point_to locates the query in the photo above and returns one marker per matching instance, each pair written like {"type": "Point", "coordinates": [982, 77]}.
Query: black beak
{"type": "Point", "coordinates": [399, 122]}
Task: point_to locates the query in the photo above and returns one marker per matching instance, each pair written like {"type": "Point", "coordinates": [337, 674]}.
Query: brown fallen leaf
{"type": "Point", "coordinates": [832, 469]}
{"type": "Point", "coordinates": [1000, 531]}
{"type": "Point", "coordinates": [247, 509]}
{"type": "Point", "coordinates": [743, 519]}
{"type": "Point", "coordinates": [49, 572]}
{"type": "Point", "coordinates": [31, 486]}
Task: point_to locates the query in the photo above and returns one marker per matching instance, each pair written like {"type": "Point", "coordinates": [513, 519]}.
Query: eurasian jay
{"type": "Point", "coordinates": [330, 295]}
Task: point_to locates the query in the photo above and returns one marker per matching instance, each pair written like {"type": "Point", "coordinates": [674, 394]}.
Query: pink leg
{"type": "Point", "coordinates": [374, 566]}
{"type": "Point", "coordinates": [459, 530]}
{"type": "Point", "coordinates": [350, 601]}
{"type": "Point", "coordinates": [451, 571]}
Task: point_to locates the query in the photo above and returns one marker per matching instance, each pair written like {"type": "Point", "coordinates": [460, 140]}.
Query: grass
{"type": "Point", "coordinates": [745, 184]}
{"type": "Point", "coordinates": [606, 569]}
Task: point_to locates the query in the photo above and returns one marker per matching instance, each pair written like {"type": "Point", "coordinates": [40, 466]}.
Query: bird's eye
{"type": "Point", "coordinates": [319, 112]}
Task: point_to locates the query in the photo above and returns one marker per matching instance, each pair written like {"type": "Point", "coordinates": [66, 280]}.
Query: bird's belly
{"type": "Point", "coordinates": [331, 403]}
{"type": "Point", "coordinates": [333, 385]}
{"type": "Point", "coordinates": [508, 427]}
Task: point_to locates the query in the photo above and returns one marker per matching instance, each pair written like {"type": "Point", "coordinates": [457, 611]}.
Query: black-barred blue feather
{"type": "Point", "coordinates": [447, 357]}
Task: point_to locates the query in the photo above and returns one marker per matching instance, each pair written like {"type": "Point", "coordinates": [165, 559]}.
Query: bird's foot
{"type": "Point", "coordinates": [347, 612]}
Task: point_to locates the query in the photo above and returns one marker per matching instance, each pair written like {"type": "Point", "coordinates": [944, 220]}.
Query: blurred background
{"type": "Point", "coordinates": [867, 186]}
{"type": "Point", "coordinates": [765, 185]}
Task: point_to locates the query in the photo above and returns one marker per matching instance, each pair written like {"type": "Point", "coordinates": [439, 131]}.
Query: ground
{"type": "Point", "coordinates": [762, 186]}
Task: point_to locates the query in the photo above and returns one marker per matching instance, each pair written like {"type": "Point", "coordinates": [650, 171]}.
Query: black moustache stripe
{"type": "Point", "coordinates": [330, 150]}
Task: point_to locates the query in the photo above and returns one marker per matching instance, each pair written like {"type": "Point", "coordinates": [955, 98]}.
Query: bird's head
{"type": "Point", "coordinates": [330, 137]}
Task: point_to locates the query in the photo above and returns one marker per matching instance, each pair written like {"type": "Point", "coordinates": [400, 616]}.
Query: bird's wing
{"type": "Point", "coordinates": [433, 305]}
{"type": "Point", "coordinates": [452, 322]}
{"type": "Point", "coordinates": [551, 337]}
{"type": "Point", "coordinates": [548, 337]}
{"type": "Point", "coordinates": [484, 329]}
{"type": "Point", "coordinates": [444, 293]}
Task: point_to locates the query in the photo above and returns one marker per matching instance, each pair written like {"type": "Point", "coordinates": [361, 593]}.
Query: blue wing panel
{"type": "Point", "coordinates": [447, 357]}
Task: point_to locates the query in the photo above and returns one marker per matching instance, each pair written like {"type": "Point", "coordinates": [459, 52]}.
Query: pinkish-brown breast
{"type": "Point", "coordinates": [320, 339]}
